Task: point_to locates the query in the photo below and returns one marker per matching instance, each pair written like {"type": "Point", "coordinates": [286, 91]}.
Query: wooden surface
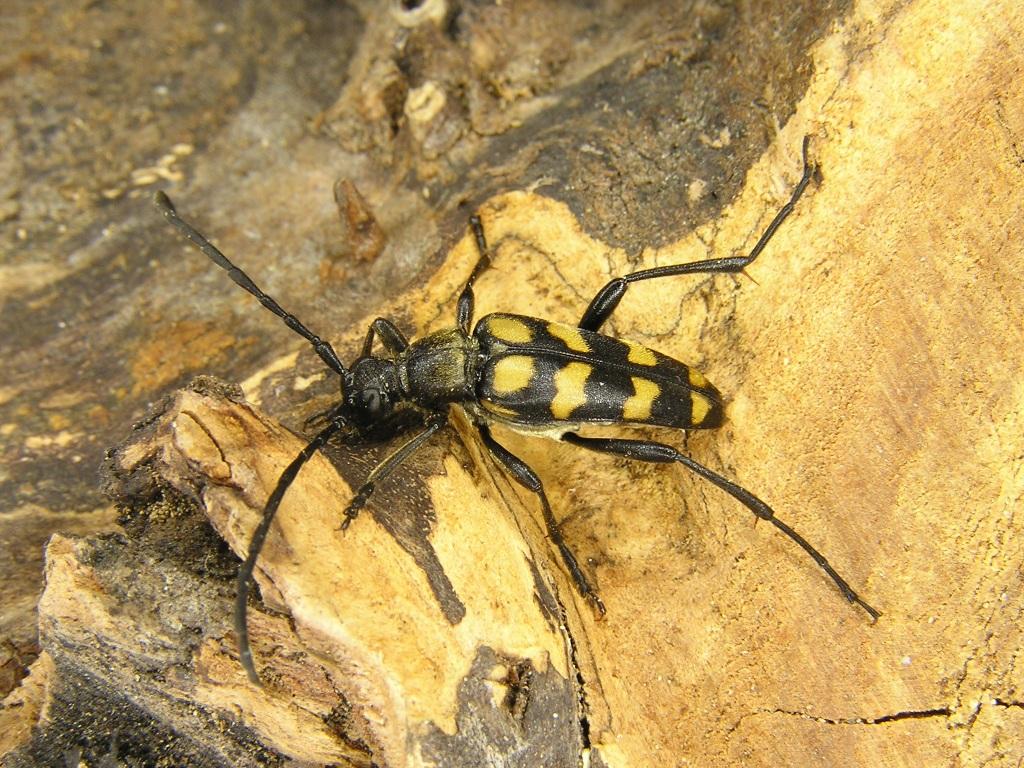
{"type": "Point", "coordinates": [871, 365]}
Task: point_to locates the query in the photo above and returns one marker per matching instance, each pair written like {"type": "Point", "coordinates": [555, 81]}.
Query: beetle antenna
{"type": "Point", "coordinates": [258, 537]}
{"type": "Point", "coordinates": [322, 348]}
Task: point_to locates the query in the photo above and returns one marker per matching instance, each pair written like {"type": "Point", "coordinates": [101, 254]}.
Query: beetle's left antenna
{"type": "Point", "coordinates": [322, 348]}
{"type": "Point", "coordinates": [260, 534]}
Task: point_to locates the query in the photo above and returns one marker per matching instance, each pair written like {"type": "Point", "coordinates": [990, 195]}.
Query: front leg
{"type": "Point", "coordinates": [434, 423]}
{"type": "Point", "coordinates": [390, 336]}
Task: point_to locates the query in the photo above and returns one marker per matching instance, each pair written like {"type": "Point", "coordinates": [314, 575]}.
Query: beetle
{"type": "Point", "coordinates": [525, 373]}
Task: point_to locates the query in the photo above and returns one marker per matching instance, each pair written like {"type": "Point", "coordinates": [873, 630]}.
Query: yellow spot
{"type": "Point", "coordinates": [638, 406]}
{"type": "Point", "coordinates": [699, 407]}
{"type": "Point", "coordinates": [640, 355]}
{"type": "Point", "coordinates": [572, 338]}
{"type": "Point", "coordinates": [697, 378]}
{"type": "Point", "coordinates": [512, 374]}
{"type": "Point", "coordinates": [569, 395]}
{"type": "Point", "coordinates": [510, 329]}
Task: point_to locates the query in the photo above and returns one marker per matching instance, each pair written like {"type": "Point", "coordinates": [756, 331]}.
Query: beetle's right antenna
{"type": "Point", "coordinates": [322, 348]}
{"type": "Point", "coordinates": [258, 537]}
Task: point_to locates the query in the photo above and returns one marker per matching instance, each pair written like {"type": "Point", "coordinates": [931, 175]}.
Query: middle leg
{"type": "Point", "coordinates": [607, 299]}
{"type": "Point", "coordinates": [464, 308]}
{"type": "Point", "coordinates": [526, 477]}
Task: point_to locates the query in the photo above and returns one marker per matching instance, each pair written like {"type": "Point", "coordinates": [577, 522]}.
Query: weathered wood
{"type": "Point", "coordinates": [872, 366]}
{"type": "Point", "coordinates": [362, 663]}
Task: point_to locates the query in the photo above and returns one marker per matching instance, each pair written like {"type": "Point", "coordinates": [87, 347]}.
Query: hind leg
{"type": "Point", "coordinates": [650, 451]}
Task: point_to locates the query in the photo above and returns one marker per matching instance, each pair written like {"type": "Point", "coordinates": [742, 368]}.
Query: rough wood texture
{"type": "Point", "coordinates": [873, 370]}
{"type": "Point", "coordinates": [362, 662]}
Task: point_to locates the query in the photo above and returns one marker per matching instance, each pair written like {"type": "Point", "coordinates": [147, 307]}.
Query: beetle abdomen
{"type": "Point", "coordinates": [537, 372]}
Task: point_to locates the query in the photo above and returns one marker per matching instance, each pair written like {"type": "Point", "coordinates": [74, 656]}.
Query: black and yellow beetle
{"type": "Point", "coordinates": [526, 373]}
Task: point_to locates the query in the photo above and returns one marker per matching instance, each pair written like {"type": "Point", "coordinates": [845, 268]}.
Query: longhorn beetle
{"type": "Point", "coordinates": [523, 372]}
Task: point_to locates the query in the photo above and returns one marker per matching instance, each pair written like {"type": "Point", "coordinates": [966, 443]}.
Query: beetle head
{"type": "Point", "coordinates": [371, 390]}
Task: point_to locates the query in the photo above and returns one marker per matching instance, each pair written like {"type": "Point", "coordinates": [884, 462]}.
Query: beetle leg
{"type": "Point", "coordinates": [392, 339]}
{"type": "Point", "coordinates": [464, 309]}
{"type": "Point", "coordinates": [389, 465]}
{"type": "Point", "coordinates": [526, 477]}
{"type": "Point", "coordinates": [649, 451]}
{"type": "Point", "coordinates": [607, 299]}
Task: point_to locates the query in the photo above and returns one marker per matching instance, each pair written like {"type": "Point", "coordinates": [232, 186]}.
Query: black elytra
{"type": "Point", "coordinates": [528, 374]}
